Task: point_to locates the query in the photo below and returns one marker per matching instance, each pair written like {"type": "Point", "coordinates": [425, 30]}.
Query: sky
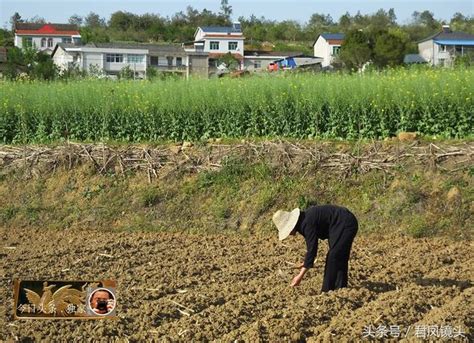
{"type": "Point", "coordinates": [59, 11]}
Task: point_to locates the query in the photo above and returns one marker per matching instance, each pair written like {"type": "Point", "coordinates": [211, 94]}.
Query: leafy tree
{"type": "Point", "coordinates": [14, 19]}
{"type": "Point", "coordinates": [230, 61]}
{"type": "Point", "coordinates": [93, 20]}
{"type": "Point", "coordinates": [44, 67]}
{"type": "Point", "coordinates": [426, 19]}
{"type": "Point", "coordinates": [76, 19]}
{"type": "Point", "coordinates": [356, 49]}
{"type": "Point", "coordinates": [122, 20]}
{"type": "Point", "coordinates": [226, 10]}
{"type": "Point", "coordinates": [126, 73]}
{"type": "Point", "coordinates": [37, 20]}
{"type": "Point", "coordinates": [97, 35]}
{"type": "Point", "coordinates": [389, 49]}
{"type": "Point", "coordinates": [345, 22]}
{"type": "Point", "coordinates": [6, 38]}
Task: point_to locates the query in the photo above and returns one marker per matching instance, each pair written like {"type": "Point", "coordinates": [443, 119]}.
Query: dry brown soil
{"type": "Point", "coordinates": [237, 288]}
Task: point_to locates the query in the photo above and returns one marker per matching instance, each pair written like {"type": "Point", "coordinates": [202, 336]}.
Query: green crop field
{"type": "Point", "coordinates": [434, 102]}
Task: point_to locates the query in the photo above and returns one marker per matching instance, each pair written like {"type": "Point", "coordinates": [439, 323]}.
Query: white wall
{"type": "Point", "coordinates": [36, 40]}
{"type": "Point", "coordinates": [224, 46]}
{"type": "Point", "coordinates": [61, 59]}
{"type": "Point", "coordinates": [425, 49]}
{"type": "Point", "coordinates": [324, 50]}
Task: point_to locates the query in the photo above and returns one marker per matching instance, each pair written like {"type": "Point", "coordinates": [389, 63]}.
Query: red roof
{"type": "Point", "coordinates": [47, 29]}
{"type": "Point", "coordinates": [335, 41]}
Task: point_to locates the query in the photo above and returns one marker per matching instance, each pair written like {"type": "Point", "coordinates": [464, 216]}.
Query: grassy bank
{"type": "Point", "coordinates": [240, 192]}
{"type": "Point", "coordinates": [432, 102]}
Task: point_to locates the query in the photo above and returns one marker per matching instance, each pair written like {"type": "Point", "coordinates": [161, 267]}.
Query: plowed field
{"type": "Point", "coordinates": [231, 287]}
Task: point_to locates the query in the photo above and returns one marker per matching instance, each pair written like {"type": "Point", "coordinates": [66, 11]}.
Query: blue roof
{"type": "Point", "coordinates": [454, 42]}
{"type": "Point", "coordinates": [220, 29]}
{"type": "Point", "coordinates": [332, 36]}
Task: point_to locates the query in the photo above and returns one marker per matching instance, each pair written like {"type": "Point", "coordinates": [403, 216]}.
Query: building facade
{"type": "Point", "coordinates": [110, 59]}
{"type": "Point", "coordinates": [218, 41]}
{"type": "Point", "coordinates": [442, 48]}
{"type": "Point", "coordinates": [327, 46]}
{"type": "Point", "coordinates": [44, 37]}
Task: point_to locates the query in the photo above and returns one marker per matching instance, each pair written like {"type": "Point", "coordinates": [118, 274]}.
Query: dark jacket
{"type": "Point", "coordinates": [323, 222]}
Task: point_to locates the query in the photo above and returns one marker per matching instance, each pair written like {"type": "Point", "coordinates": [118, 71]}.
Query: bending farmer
{"type": "Point", "coordinates": [331, 222]}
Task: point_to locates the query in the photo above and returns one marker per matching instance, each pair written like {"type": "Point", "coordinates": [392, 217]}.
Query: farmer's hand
{"type": "Point", "coordinates": [299, 265]}
{"type": "Point", "coordinates": [296, 280]}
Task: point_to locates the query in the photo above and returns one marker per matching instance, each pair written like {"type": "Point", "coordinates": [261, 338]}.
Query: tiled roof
{"type": "Point", "coordinates": [220, 29]}
{"type": "Point", "coordinates": [337, 36]}
{"type": "Point", "coordinates": [48, 29]}
{"type": "Point", "coordinates": [453, 35]}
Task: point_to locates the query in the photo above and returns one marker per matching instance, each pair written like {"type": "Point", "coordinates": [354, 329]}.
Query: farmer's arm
{"type": "Point", "coordinates": [311, 251]}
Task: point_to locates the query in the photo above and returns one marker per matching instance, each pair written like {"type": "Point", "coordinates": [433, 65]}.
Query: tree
{"type": "Point", "coordinates": [426, 19]}
{"type": "Point", "coordinates": [226, 9]}
{"type": "Point", "coordinates": [14, 19]}
{"type": "Point", "coordinates": [320, 20]}
{"type": "Point", "coordinates": [389, 49]}
{"type": "Point", "coordinates": [37, 20]}
{"type": "Point", "coordinates": [93, 20]}
{"type": "Point", "coordinates": [356, 49]}
{"type": "Point", "coordinates": [345, 22]}
{"type": "Point", "coordinates": [6, 38]}
{"type": "Point", "coordinates": [44, 67]}
{"type": "Point", "coordinates": [122, 20]}
{"type": "Point", "coordinates": [76, 19]}
{"type": "Point", "coordinates": [392, 17]}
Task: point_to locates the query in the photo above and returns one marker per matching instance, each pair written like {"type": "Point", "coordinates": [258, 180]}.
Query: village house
{"type": "Point", "coordinates": [218, 41]}
{"type": "Point", "coordinates": [327, 46]}
{"type": "Point", "coordinates": [256, 61]}
{"type": "Point", "coordinates": [44, 37]}
{"type": "Point", "coordinates": [111, 58]}
{"type": "Point", "coordinates": [443, 47]}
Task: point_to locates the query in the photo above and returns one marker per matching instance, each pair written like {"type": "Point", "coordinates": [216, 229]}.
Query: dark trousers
{"type": "Point", "coordinates": [337, 259]}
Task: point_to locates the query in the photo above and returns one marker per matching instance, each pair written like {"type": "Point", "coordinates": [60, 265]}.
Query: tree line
{"type": "Point", "coordinates": [376, 37]}
{"type": "Point", "coordinates": [180, 27]}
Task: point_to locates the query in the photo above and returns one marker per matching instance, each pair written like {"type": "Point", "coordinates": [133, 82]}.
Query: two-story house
{"type": "Point", "coordinates": [443, 47]}
{"type": "Point", "coordinates": [110, 58]}
{"type": "Point", "coordinates": [44, 37]}
{"type": "Point", "coordinates": [220, 40]}
{"type": "Point", "coordinates": [327, 46]}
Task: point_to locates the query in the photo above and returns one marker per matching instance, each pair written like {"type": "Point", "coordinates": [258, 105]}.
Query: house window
{"type": "Point", "coordinates": [443, 48]}
{"type": "Point", "coordinates": [67, 40]}
{"type": "Point", "coordinates": [135, 58]}
{"type": "Point", "coordinates": [170, 60]}
{"type": "Point", "coordinates": [257, 64]}
{"type": "Point", "coordinates": [179, 61]}
{"type": "Point", "coordinates": [214, 45]}
{"type": "Point", "coordinates": [114, 58]}
{"type": "Point", "coordinates": [43, 42]}
{"type": "Point", "coordinates": [336, 50]}
{"type": "Point", "coordinates": [50, 42]}
{"type": "Point", "coordinates": [154, 60]}
{"type": "Point", "coordinates": [233, 45]}
{"type": "Point", "coordinates": [28, 42]}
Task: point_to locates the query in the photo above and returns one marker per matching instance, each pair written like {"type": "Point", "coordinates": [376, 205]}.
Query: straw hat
{"type": "Point", "coordinates": [285, 222]}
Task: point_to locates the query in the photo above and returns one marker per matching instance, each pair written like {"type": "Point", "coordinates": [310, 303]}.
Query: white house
{"type": "Point", "coordinates": [44, 37]}
{"type": "Point", "coordinates": [219, 40]}
{"type": "Point", "coordinates": [111, 58]}
{"type": "Point", "coordinates": [327, 46]}
{"type": "Point", "coordinates": [442, 47]}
